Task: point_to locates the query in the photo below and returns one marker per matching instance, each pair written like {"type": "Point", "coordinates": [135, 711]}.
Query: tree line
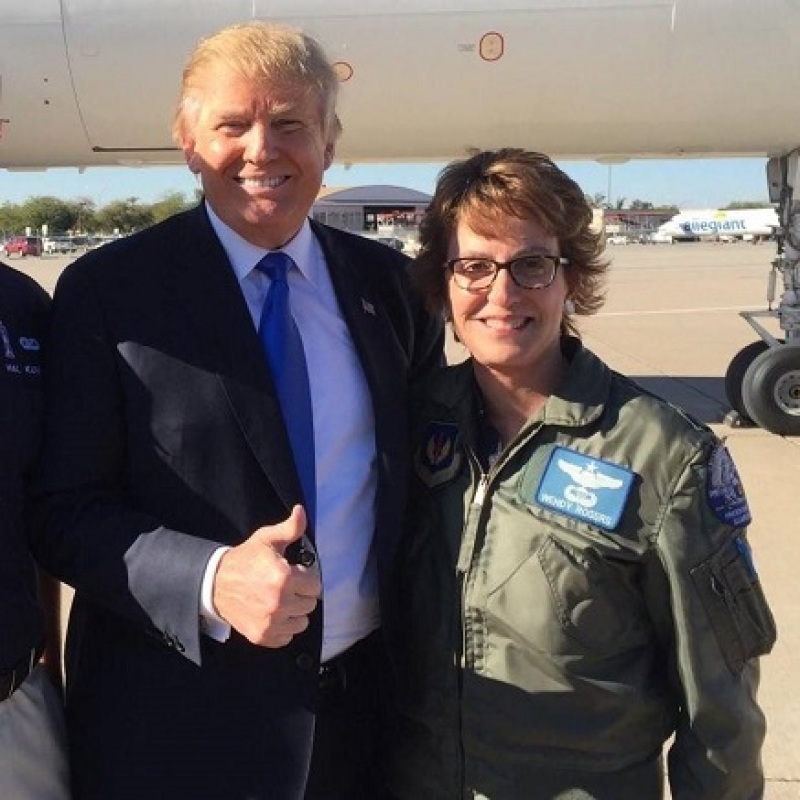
{"type": "Point", "coordinates": [84, 216]}
{"type": "Point", "coordinates": [598, 200]}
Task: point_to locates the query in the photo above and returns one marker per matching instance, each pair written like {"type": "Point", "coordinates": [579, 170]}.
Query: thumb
{"type": "Point", "coordinates": [280, 536]}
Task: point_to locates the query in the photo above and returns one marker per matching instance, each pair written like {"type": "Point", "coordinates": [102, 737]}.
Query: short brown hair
{"type": "Point", "coordinates": [490, 185]}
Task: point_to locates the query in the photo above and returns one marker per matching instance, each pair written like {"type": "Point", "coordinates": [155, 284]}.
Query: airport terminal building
{"type": "Point", "coordinates": [370, 209]}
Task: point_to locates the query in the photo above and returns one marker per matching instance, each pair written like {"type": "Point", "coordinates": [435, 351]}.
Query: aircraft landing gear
{"type": "Point", "coordinates": [763, 379]}
{"type": "Point", "coordinates": [771, 390]}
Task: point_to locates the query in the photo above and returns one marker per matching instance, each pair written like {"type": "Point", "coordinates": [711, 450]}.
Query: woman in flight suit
{"type": "Point", "coordinates": [576, 584]}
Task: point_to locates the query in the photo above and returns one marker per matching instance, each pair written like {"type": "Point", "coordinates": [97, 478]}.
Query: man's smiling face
{"type": "Point", "coordinates": [261, 151]}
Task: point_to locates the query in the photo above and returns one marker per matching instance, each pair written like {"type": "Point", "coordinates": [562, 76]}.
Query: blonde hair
{"type": "Point", "coordinates": [260, 51]}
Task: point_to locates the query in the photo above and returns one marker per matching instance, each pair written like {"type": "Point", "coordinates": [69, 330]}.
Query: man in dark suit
{"type": "Point", "coordinates": [224, 640]}
{"type": "Point", "coordinates": [33, 764]}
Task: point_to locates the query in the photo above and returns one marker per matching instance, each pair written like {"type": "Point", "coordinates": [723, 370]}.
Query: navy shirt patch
{"type": "Point", "coordinates": [439, 456]}
{"type": "Point", "coordinates": [19, 355]}
{"type": "Point", "coordinates": [585, 488]}
{"type": "Point", "coordinates": [724, 489]}
{"type": "Point", "coordinates": [746, 554]}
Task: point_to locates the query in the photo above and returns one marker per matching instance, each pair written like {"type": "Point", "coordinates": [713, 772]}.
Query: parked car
{"type": "Point", "coordinates": [60, 244]}
{"type": "Point", "coordinates": [23, 246]}
{"type": "Point", "coordinates": [389, 241]}
{"type": "Point", "coordinates": [658, 237]}
{"type": "Point", "coordinates": [392, 241]}
{"type": "Point", "coordinates": [617, 239]}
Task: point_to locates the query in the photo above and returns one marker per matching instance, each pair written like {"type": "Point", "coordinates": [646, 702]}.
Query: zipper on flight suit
{"type": "Point", "coordinates": [480, 491]}
{"type": "Point", "coordinates": [470, 532]}
{"type": "Point", "coordinates": [471, 526]}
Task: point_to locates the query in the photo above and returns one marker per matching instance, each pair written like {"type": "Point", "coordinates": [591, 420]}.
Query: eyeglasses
{"type": "Point", "coordinates": [528, 272]}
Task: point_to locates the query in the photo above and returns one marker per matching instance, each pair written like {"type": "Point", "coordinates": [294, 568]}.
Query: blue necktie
{"type": "Point", "coordinates": [287, 361]}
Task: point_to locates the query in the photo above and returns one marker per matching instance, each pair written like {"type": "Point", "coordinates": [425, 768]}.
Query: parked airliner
{"type": "Point", "coordinates": [720, 224]}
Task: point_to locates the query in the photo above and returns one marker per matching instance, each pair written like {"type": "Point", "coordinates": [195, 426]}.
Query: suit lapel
{"type": "Point", "coordinates": [369, 326]}
{"type": "Point", "coordinates": [223, 331]}
{"type": "Point", "coordinates": [385, 370]}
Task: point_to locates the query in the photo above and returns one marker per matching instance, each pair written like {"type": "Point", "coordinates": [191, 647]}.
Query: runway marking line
{"type": "Point", "coordinates": [718, 309]}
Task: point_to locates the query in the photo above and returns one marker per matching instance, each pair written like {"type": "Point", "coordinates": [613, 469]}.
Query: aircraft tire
{"type": "Point", "coordinates": [771, 390]}
{"type": "Point", "coordinates": [734, 377]}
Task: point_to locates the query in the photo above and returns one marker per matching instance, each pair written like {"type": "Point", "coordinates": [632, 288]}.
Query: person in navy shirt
{"type": "Point", "coordinates": [32, 737]}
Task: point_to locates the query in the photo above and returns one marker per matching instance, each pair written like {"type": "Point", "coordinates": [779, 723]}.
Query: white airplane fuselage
{"type": "Point", "coordinates": [89, 82]}
{"type": "Point", "coordinates": [721, 223]}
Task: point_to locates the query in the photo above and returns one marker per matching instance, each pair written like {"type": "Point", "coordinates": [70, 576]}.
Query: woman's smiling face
{"type": "Point", "coordinates": [507, 329]}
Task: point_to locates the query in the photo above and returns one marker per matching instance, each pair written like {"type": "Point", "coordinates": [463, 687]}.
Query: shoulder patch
{"type": "Point", "coordinates": [585, 488]}
{"type": "Point", "coordinates": [724, 489]}
{"type": "Point", "coordinates": [439, 456]}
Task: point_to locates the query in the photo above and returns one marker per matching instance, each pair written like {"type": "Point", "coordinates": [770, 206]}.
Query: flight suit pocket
{"type": "Point", "coordinates": [594, 599]}
{"type": "Point", "coordinates": [735, 603]}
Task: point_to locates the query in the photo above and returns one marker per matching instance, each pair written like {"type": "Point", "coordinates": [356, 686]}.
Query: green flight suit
{"type": "Point", "coordinates": [559, 616]}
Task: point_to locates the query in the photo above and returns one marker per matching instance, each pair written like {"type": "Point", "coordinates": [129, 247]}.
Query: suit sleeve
{"type": "Point", "coordinates": [88, 530]}
{"type": "Point", "coordinates": [719, 623]}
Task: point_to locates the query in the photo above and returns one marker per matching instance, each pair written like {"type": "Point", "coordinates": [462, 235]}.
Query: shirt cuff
{"type": "Point", "coordinates": [211, 623]}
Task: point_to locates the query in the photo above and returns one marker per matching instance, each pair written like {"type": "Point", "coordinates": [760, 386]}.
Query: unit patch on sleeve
{"type": "Point", "coordinates": [438, 457]}
{"type": "Point", "coordinates": [724, 489]}
{"type": "Point", "coordinates": [585, 488]}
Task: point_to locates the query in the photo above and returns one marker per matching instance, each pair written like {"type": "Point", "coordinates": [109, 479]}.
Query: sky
{"type": "Point", "coordinates": [685, 183]}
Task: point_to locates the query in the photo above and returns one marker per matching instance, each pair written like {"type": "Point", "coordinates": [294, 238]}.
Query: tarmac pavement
{"type": "Point", "coordinates": [671, 322]}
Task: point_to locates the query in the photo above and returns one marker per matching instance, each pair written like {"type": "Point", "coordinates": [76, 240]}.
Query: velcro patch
{"type": "Point", "coordinates": [724, 489]}
{"type": "Point", "coordinates": [585, 488]}
{"type": "Point", "coordinates": [438, 458]}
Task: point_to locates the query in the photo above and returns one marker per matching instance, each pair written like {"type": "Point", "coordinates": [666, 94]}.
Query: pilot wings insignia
{"type": "Point", "coordinates": [587, 478]}
{"type": "Point", "coordinates": [585, 488]}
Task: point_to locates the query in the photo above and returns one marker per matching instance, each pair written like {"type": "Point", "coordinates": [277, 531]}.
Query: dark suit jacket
{"type": "Point", "coordinates": [163, 439]}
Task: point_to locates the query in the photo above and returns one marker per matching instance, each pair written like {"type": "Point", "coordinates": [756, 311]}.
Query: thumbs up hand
{"type": "Point", "coordinates": [260, 593]}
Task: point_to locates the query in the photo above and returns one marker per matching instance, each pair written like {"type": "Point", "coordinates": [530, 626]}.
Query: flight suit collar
{"type": "Point", "coordinates": [579, 400]}
{"type": "Point", "coordinates": [582, 396]}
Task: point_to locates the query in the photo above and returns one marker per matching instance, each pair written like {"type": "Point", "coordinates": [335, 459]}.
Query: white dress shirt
{"type": "Point", "coordinates": [344, 440]}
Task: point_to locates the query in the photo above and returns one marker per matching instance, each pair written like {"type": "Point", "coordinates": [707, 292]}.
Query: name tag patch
{"type": "Point", "coordinates": [724, 489]}
{"type": "Point", "coordinates": [439, 457]}
{"type": "Point", "coordinates": [585, 488]}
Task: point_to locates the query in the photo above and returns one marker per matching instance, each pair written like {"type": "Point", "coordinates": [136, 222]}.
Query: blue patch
{"type": "Point", "coordinates": [746, 555]}
{"type": "Point", "coordinates": [585, 488]}
{"type": "Point", "coordinates": [438, 457]}
{"type": "Point", "coordinates": [724, 489]}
